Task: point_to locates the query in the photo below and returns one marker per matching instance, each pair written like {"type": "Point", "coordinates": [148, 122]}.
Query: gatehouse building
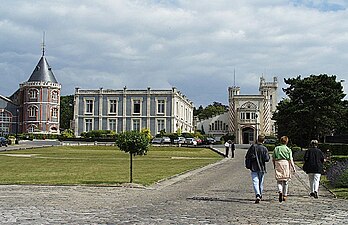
{"type": "Point", "coordinates": [247, 116]}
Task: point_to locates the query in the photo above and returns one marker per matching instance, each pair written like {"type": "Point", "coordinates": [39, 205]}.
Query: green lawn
{"type": "Point", "coordinates": [98, 165]}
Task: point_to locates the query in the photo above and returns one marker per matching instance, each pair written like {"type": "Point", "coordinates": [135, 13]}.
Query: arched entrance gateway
{"type": "Point", "coordinates": [248, 135]}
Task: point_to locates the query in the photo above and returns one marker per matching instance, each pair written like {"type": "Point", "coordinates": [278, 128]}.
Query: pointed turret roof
{"type": "Point", "coordinates": [42, 72]}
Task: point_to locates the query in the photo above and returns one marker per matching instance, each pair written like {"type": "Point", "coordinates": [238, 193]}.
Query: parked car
{"type": "Point", "coordinates": [199, 141]}
{"type": "Point", "coordinates": [191, 141]}
{"type": "Point", "coordinates": [157, 141]}
{"type": "Point", "coordinates": [3, 141]}
{"type": "Point", "coordinates": [270, 141]}
{"type": "Point", "coordinates": [166, 140]}
{"type": "Point", "coordinates": [209, 141]}
{"type": "Point", "coordinates": [179, 140]}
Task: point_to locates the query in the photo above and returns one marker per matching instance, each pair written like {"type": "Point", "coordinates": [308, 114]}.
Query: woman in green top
{"type": "Point", "coordinates": [283, 164]}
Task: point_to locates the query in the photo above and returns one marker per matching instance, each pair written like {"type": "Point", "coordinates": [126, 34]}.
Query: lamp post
{"type": "Point", "coordinates": [17, 124]}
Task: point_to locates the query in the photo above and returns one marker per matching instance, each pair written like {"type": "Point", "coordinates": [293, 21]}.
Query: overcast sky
{"type": "Point", "coordinates": [194, 45]}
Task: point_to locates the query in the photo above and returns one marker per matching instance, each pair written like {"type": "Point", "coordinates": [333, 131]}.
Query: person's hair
{"type": "Point", "coordinates": [261, 138]}
{"type": "Point", "coordinates": [314, 143]}
{"type": "Point", "coordinates": [284, 140]}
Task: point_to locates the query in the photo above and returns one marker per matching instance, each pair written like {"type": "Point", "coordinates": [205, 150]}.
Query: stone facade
{"type": "Point", "coordinates": [248, 115]}
{"type": "Point", "coordinates": [124, 110]}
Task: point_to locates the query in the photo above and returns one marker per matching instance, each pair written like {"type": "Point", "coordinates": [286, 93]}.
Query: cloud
{"type": "Point", "coordinates": [193, 45]}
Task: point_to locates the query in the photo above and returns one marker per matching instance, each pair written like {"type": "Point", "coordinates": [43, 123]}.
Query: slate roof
{"type": "Point", "coordinates": [43, 72]}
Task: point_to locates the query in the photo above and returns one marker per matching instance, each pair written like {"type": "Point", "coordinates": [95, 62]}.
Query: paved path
{"type": "Point", "coordinates": [218, 194]}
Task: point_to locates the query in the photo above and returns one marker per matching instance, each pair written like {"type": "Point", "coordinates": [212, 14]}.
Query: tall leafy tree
{"type": "Point", "coordinates": [314, 108]}
{"type": "Point", "coordinates": [66, 111]}
{"type": "Point", "coordinates": [216, 108]}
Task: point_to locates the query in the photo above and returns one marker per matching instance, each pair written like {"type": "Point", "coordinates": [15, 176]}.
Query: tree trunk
{"type": "Point", "coordinates": [131, 167]}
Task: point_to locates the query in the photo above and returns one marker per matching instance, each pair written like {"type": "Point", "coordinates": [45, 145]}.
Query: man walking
{"type": "Point", "coordinates": [258, 155]}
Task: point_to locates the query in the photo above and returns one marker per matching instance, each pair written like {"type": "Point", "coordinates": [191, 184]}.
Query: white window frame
{"type": "Point", "coordinates": [133, 124]}
{"type": "Point", "coordinates": [32, 111]}
{"type": "Point", "coordinates": [33, 93]}
{"type": "Point", "coordinates": [86, 100]}
{"type": "Point", "coordinates": [109, 122]}
{"type": "Point", "coordinates": [158, 129]}
{"type": "Point", "coordinates": [161, 106]}
{"type": "Point", "coordinates": [31, 128]}
{"type": "Point", "coordinates": [54, 95]}
{"type": "Point", "coordinates": [54, 112]}
{"type": "Point", "coordinates": [85, 124]}
{"type": "Point", "coordinates": [110, 106]}
{"type": "Point", "coordinates": [140, 106]}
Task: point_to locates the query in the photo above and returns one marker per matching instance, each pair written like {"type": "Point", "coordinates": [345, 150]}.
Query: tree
{"type": "Point", "coordinates": [66, 111]}
{"type": "Point", "coordinates": [216, 108]}
{"type": "Point", "coordinates": [342, 128]}
{"type": "Point", "coordinates": [134, 143]}
{"type": "Point", "coordinates": [314, 108]}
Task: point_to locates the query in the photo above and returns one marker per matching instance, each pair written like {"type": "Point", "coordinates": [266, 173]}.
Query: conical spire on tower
{"type": "Point", "coordinates": [42, 71]}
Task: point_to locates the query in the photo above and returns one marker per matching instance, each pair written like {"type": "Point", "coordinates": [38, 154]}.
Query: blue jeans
{"type": "Point", "coordinates": [257, 178]}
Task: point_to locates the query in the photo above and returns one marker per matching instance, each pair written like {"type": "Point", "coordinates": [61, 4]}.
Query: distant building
{"type": "Point", "coordinates": [125, 110]}
{"type": "Point", "coordinates": [248, 115]}
{"type": "Point", "coordinates": [34, 107]}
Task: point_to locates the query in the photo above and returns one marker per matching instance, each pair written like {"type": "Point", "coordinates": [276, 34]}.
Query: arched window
{"type": "Point", "coordinates": [33, 94]}
{"type": "Point", "coordinates": [32, 111]}
{"type": "Point", "coordinates": [55, 95]}
{"type": "Point", "coordinates": [31, 128]}
{"type": "Point", "coordinates": [54, 112]}
{"type": "Point", "coordinates": [53, 129]}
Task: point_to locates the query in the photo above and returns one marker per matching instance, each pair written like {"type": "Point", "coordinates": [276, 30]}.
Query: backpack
{"type": "Point", "coordinates": [250, 158]}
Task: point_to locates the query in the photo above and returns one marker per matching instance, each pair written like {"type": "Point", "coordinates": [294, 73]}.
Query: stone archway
{"type": "Point", "coordinates": [248, 135]}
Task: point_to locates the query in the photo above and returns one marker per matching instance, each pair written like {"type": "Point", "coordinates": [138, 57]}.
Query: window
{"type": "Point", "coordinates": [31, 128]}
{"type": "Point", "coordinates": [136, 106]}
{"type": "Point", "coordinates": [33, 94]}
{"type": "Point", "coordinates": [112, 124]}
{"type": "Point", "coordinates": [55, 112]}
{"type": "Point", "coordinates": [88, 125]}
{"type": "Point", "coordinates": [54, 95]}
{"type": "Point", "coordinates": [5, 117]}
{"type": "Point", "coordinates": [248, 116]}
{"type": "Point", "coordinates": [160, 125]}
{"type": "Point", "coordinates": [89, 106]}
{"type": "Point", "coordinates": [32, 110]}
{"type": "Point", "coordinates": [136, 124]}
{"type": "Point", "coordinates": [160, 106]}
{"type": "Point", "coordinates": [112, 106]}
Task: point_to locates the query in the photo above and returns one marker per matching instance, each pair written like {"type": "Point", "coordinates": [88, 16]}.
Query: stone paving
{"type": "Point", "coordinates": [217, 194]}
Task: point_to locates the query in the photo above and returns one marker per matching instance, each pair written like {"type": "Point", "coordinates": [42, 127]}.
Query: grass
{"type": "Point", "coordinates": [339, 192]}
{"type": "Point", "coordinates": [98, 165]}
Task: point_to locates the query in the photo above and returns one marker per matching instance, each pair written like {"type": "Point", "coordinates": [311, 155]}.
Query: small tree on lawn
{"type": "Point", "coordinates": [133, 142]}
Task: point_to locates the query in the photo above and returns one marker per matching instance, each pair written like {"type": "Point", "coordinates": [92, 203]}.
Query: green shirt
{"type": "Point", "coordinates": [282, 152]}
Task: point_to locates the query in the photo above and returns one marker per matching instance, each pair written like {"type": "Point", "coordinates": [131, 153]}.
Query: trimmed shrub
{"type": "Point", "coordinates": [335, 149]}
{"type": "Point", "coordinates": [298, 155]}
{"type": "Point", "coordinates": [270, 147]}
{"type": "Point", "coordinates": [295, 149]}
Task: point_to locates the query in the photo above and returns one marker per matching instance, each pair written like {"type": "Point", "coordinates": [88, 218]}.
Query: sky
{"type": "Point", "coordinates": [201, 47]}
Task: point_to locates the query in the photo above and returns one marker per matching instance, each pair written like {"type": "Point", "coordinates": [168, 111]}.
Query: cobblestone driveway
{"type": "Point", "coordinates": [218, 194]}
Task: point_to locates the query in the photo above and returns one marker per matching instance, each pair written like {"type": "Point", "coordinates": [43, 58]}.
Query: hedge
{"type": "Point", "coordinates": [335, 149]}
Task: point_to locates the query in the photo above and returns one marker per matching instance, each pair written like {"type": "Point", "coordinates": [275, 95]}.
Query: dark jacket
{"type": "Point", "coordinates": [313, 161]}
{"type": "Point", "coordinates": [263, 157]}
